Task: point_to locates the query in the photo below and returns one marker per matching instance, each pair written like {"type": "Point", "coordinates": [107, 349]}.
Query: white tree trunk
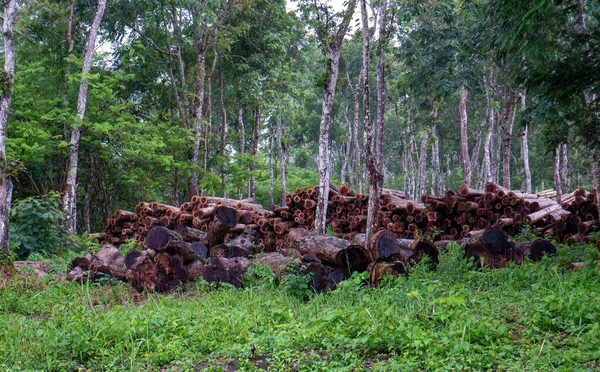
{"type": "Point", "coordinates": [253, 152]}
{"type": "Point", "coordinates": [282, 162]}
{"type": "Point", "coordinates": [333, 51]}
{"type": "Point", "coordinates": [242, 145]}
{"type": "Point", "coordinates": [271, 172]}
{"type": "Point", "coordinates": [525, 156]}
{"type": "Point", "coordinates": [422, 179]}
{"type": "Point", "coordinates": [564, 167]}
{"type": "Point", "coordinates": [557, 183]}
{"type": "Point", "coordinates": [376, 174]}
{"type": "Point", "coordinates": [464, 141]}
{"type": "Point", "coordinates": [70, 195]}
{"type": "Point", "coordinates": [437, 175]}
{"type": "Point", "coordinates": [6, 187]}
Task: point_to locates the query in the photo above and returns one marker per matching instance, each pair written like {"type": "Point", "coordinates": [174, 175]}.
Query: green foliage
{"type": "Point", "coordinates": [454, 318]}
{"type": "Point", "coordinates": [35, 227]}
{"type": "Point", "coordinates": [294, 283]}
{"type": "Point", "coordinates": [258, 275]}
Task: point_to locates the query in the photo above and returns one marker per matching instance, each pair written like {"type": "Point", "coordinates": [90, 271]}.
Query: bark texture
{"type": "Point", "coordinates": [6, 187]}
{"type": "Point", "coordinates": [464, 141]}
{"type": "Point", "coordinates": [332, 50]}
{"type": "Point", "coordinates": [282, 161]}
{"type": "Point", "coordinates": [70, 195]}
{"type": "Point", "coordinates": [525, 156]}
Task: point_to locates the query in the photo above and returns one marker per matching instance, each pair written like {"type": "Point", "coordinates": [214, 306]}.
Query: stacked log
{"type": "Point", "coordinates": [218, 238]}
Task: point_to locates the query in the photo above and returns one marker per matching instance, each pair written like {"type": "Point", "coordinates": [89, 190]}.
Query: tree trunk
{"type": "Point", "coordinates": [87, 200]}
{"type": "Point", "coordinates": [596, 177]}
{"type": "Point", "coordinates": [271, 173]}
{"type": "Point", "coordinates": [376, 174]}
{"type": "Point", "coordinates": [411, 150]}
{"type": "Point", "coordinates": [242, 145]}
{"type": "Point", "coordinates": [208, 111]}
{"type": "Point", "coordinates": [6, 187]}
{"type": "Point", "coordinates": [422, 180]}
{"type": "Point", "coordinates": [181, 70]}
{"type": "Point", "coordinates": [70, 45]}
{"type": "Point", "coordinates": [223, 129]}
{"type": "Point", "coordinates": [70, 195]}
{"type": "Point", "coordinates": [253, 152]}
{"type": "Point", "coordinates": [508, 118]}
{"type": "Point", "coordinates": [355, 120]}
{"type": "Point", "coordinates": [333, 52]}
{"type": "Point", "coordinates": [464, 141]}
{"type": "Point", "coordinates": [525, 155]}
{"type": "Point", "coordinates": [476, 163]}
{"type": "Point", "coordinates": [201, 47]}
{"type": "Point", "coordinates": [564, 170]}
{"type": "Point", "coordinates": [437, 175]}
{"type": "Point", "coordinates": [557, 179]}
{"type": "Point", "coordinates": [282, 161]}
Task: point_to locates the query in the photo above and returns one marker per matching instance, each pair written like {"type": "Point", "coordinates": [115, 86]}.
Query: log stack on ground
{"type": "Point", "coordinates": [218, 238]}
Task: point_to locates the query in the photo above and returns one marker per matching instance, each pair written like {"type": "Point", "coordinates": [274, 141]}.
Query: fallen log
{"type": "Point", "coordinates": [161, 239]}
{"type": "Point", "coordinates": [411, 251]}
{"type": "Point", "coordinates": [382, 245]}
{"type": "Point", "coordinates": [536, 249]}
{"type": "Point", "coordinates": [226, 270]}
{"type": "Point", "coordinates": [377, 270]}
{"type": "Point", "coordinates": [225, 219]}
{"type": "Point", "coordinates": [333, 251]}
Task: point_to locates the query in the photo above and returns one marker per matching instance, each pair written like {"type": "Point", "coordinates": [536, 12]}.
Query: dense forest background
{"type": "Point", "coordinates": [225, 97]}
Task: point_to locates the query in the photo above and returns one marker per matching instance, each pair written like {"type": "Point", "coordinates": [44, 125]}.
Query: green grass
{"type": "Point", "coordinates": [535, 317]}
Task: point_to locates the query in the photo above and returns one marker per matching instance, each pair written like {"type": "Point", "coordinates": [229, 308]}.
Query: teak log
{"type": "Point", "coordinates": [536, 249]}
{"type": "Point", "coordinates": [333, 251]}
{"type": "Point", "coordinates": [226, 270]}
{"type": "Point", "coordinates": [378, 270]}
{"type": "Point", "coordinates": [412, 250]}
{"type": "Point", "coordinates": [382, 246]}
{"type": "Point", "coordinates": [161, 239]}
{"type": "Point", "coordinates": [225, 219]}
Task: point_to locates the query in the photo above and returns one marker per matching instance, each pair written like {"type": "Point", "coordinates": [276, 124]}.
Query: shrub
{"type": "Point", "coordinates": [35, 227]}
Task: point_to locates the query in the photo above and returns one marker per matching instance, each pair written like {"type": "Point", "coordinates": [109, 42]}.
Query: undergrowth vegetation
{"type": "Point", "coordinates": [539, 316]}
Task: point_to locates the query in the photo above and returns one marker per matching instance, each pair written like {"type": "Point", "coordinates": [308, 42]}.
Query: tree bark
{"type": "Point", "coordinates": [282, 161]}
{"type": "Point", "coordinates": [6, 187]}
{"type": "Point", "coordinates": [422, 180]}
{"type": "Point", "coordinates": [355, 120]}
{"type": "Point", "coordinates": [464, 141]}
{"type": "Point", "coordinates": [525, 155]}
{"type": "Point", "coordinates": [488, 150]}
{"type": "Point", "coordinates": [70, 195]}
{"type": "Point", "coordinates": [557, 179]}
{"type": "Point", "coordinates": [208, 110]}
{"type": "Point", "coordinates": [564, 170]}
{"type": "Point", "coordinates": [369, 129]}
{"type": "Point", "coordinates": [508, 118]}
{"type": "Point", "coordinates": [242, 144]}
{"type": "Point", "coordinates": [253, 152]}
{"type": "Point", "coordinates": [437, 176]}
{"type": "Point", "coordinates": [271, 173]}
{"type": "Point", "coordinates": [333, 53]}
{"type": "Point", "coordinates": [376, 173]}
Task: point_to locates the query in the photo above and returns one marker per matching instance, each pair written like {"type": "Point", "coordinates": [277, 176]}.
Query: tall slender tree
{"type": "Point", "coordinates": [8, 79]}
{"type": "Point", "coordinates": [70, 194]}
{"type": "Point", "coordinates": [331, 36]}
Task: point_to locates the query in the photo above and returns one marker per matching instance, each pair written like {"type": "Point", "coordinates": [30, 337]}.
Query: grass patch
{"type": "Point", "coordinates": [534, 317]}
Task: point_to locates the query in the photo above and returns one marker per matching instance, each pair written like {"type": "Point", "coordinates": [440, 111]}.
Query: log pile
{"type": "Point", "coordinates": [218, 239]}
{"type": "Point", "coordinates": [492, 249]}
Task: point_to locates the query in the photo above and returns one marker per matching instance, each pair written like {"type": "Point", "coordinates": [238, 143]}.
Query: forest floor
{"type": "Point", "coordinates": [539, 316]}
